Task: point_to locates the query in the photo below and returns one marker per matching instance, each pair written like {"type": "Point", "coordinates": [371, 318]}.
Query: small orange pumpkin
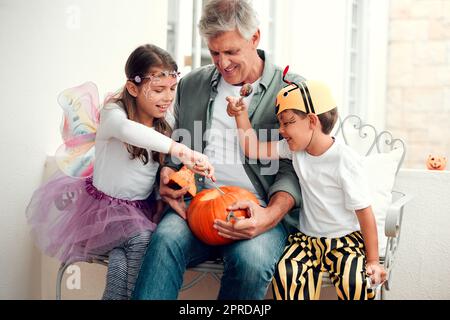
{"type": "Point", "coordinates": [436, 162]}
{"type": "Point", "coordinates": [209, 205]}
{"type": "Point", "coordinates": [182, 178]}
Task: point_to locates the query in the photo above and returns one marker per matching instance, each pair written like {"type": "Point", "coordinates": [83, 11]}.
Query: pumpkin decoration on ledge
{"type": "Point", "coordinates": [436, 162]}
{"type": "Point", "coordinates": [182, 178]}
{"type": "Point", "coordinates": [209, 205]}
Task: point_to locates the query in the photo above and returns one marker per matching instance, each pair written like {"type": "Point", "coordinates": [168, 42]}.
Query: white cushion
{"type": "Point", "coordinates": [381, 169]}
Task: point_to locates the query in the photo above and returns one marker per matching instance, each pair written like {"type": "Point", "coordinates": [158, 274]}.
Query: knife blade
{"type": "Point", "coordinates": [230, 214]}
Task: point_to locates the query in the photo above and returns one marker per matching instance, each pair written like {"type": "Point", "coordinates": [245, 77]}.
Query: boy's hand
{"type": "Point", "coordinates": [236, 106]}
{"type": "Point", "coordinates": [376, 272]}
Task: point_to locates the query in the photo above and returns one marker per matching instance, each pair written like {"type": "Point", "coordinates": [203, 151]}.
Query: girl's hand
{"type": "Point", "coordinates": [376, 272]}
{"type": "Point", "coordinates": [193, 160]}
{"type": "Point", "coordinates": [202, 166]}
{"type": "Point", "coordinates": [236, 106]}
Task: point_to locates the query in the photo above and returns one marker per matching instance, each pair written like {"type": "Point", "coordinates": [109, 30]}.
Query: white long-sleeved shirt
{"type": "Point", "coordinates": [115, 174]}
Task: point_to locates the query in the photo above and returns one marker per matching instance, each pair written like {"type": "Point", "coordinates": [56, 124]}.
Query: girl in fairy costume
{"type": "Point", "coordinates": [76, 218]}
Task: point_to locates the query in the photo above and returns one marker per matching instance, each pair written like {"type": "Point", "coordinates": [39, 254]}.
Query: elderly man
{"type": "Point", "coordinates": [230, 29]}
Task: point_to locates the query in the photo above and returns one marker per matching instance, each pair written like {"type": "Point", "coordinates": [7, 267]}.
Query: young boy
{"type": "Point", "coordinates": [338, 232]}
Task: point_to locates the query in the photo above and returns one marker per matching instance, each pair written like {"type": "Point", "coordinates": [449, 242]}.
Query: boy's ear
{"type": "Point", "coordinates": [132, 88]}
{"type": "Point", "coordinates": [313, 120]}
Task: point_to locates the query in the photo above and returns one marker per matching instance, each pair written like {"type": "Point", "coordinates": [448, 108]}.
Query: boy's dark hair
{"type": "Point", "coordinates": [327, 119]}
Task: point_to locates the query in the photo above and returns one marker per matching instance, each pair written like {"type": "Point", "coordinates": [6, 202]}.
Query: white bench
{"type": "Point", "coordinates": [365, 139]}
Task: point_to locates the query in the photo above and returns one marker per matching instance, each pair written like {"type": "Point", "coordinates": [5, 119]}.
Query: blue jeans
{"type": "Point", "coordinates": [248, 264]}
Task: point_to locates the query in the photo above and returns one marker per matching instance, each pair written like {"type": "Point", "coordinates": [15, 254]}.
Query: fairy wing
{"type": "Point", "coordinates": [75, 157]}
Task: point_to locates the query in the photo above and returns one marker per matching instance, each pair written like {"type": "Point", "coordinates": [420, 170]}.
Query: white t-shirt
{"type": "Point", "coordinates": [223, 149]}
{"type": "Point", "coordinates": [115, 173]}
{"type": "Point", "coordinates": [333, 186]}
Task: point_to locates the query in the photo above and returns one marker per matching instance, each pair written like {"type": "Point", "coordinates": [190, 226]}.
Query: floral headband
{"type": "Point", "coordinates": [156, 77]}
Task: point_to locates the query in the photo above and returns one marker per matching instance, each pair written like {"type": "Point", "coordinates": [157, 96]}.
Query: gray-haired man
{"type": "Point", "coordinates": [230, 28]}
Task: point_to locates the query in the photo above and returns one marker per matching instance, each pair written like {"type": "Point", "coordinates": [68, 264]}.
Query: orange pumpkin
{"type": "Point", "coordinates": [182, 178]}
{"type": "Point", "coordinates": [436, 162]}
{"type": "Point", "coordinates": [209, 205]}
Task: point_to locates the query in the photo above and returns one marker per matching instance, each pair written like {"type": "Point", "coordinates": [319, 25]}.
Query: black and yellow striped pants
{"type": "Point", "coordinates": [298, 275]}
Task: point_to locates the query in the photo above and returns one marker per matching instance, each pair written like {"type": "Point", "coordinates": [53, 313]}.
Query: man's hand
{"type": "Point", "coordinates": [257, 222]}
{"type": "Point", "coordinates": [158, 208]}
{"type": "Point", "coordinates": [174, 198]}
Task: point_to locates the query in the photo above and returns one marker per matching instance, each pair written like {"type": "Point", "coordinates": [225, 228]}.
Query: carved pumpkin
{"type": "Point", "coordinates": [209, 205]}
{"type": "Point", "coordinates": [436, 162]}
{"type": "Point", "coordinates": [183, 178]}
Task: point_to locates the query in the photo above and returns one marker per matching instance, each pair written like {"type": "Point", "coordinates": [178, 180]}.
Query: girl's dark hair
{"type": "Point", "coordinates": [139, 63]}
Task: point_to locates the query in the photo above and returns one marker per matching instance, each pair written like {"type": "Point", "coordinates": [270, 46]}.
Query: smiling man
{"type": "Point", "coordinates": [230, 29]}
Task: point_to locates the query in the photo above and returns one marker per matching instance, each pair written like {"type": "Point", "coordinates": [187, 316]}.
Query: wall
{"type": "Point", "coordinates": [419, 109]}
{"type": "Point", "coordinates": [422, 267]}
{"type": "Point", "coordinates": [47, 46]}
{"type": "Point", "coordinates": [313, 40]}
{"type": "Point", "coordinates": [314, 37]}
{"type": "Point", "coordinates": [419, 77]}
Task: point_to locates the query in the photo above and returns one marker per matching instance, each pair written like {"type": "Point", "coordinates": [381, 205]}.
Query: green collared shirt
{"type": "Point", "coordinates": [194, 104]}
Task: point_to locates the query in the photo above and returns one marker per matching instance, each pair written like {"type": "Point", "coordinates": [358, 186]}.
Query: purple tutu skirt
{"type": "Point", "coordinates": [72, 220]}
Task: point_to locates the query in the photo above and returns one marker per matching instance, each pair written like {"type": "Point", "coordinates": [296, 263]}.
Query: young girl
{"type": "Point", "coordinates": [338, 230]}
{"type": "Point", "coordinates": [74, 219]}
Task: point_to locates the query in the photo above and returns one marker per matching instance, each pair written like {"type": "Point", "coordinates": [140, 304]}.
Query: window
{"type": "Point", "coordinates": [184, 41]}
{"type": "Point", "coordinates": [367, 41]}
{"type": "Point", "coordinates": [172, 26]}
{"type": "Point", "coordinates": [348, 48]}
{"type": "Point", "coordinates": [355, 58]}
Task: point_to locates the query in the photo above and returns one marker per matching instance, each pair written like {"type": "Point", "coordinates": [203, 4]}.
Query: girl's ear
{"type": "Point", "coordinates": [132, 88]}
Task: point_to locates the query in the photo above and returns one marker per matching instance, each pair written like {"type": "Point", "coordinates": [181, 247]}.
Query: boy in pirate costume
{"type": "Point", "coordinates": [338, 232]}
